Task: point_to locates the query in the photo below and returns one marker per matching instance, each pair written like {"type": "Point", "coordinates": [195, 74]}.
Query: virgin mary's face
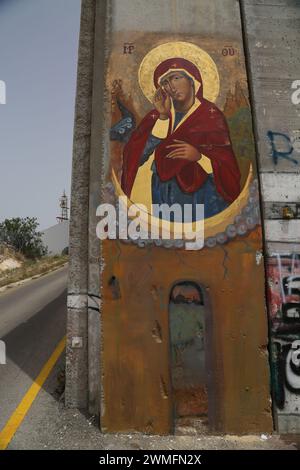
{"type": "Point", "coordinates": [178, 86]}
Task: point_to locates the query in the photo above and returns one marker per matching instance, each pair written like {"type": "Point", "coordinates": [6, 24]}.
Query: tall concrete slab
{"type": "Point", "coordinates": [138, 278]}
{"type": "Point", "coordinates": [76, 394]}
{"type": "Point", "coordinates": [118, 359]}
{"type": "Point", "coordinates": [272, 33]}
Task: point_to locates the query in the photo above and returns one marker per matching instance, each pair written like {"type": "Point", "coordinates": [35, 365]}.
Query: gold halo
{"type": "Point", "coordinates": [201, 59]}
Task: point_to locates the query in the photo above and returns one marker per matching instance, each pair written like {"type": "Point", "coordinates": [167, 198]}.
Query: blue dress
{"type": "Point", "coordinates": [169, 192]}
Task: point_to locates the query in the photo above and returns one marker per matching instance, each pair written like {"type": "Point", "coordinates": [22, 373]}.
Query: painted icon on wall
{"type": "Point", "coordinates": [181, 151]}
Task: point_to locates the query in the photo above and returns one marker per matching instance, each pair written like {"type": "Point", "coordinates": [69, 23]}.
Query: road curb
{"type": "Point", "coordinates": [27, 279]}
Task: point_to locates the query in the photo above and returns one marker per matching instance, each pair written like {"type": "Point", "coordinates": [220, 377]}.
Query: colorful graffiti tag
{"type": "Point", "coordinates": [284, 310]}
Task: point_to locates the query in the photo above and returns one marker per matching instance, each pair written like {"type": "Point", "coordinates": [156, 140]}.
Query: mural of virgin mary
{"type": "Point", "coordinates": [188, 138]}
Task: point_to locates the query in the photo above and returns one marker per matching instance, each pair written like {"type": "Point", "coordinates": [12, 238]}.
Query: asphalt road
{"type": "Point", "coordinates": [32, 322]}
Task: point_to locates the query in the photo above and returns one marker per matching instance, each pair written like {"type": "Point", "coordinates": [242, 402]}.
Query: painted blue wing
{"type": "Point", "coordinates": [123, 129]}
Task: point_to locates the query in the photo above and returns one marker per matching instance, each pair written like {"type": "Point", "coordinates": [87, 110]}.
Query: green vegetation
{"type": "Point", "coordinates": [22, 249]}
{"type": "Point", "coordinates": [22, 235]}
{"type": "Point", "coordinates": [32, 268]}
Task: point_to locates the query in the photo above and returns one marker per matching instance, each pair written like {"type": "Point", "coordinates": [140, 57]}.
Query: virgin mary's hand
{"type": "Point", "coordinates": [162, 103]}
{"type": "Point", "coordinates": [183, 150]}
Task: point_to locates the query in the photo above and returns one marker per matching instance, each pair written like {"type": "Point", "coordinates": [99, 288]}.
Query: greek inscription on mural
{"type": "Point", "coordinates": [128, 48]}
{"type": "Point", "coordinates": [228, 51]}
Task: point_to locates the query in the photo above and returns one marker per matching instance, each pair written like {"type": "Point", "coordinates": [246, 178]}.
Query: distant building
{"type": "Point", "coordinates": [56, 238]}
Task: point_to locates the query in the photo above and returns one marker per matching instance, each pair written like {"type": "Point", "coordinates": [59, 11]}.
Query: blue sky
{"type": "Point", "coordinates": [38, 61]}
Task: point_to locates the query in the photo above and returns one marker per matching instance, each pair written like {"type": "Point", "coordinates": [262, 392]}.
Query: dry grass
{"type": "Point", "coordinates": [31, 268]}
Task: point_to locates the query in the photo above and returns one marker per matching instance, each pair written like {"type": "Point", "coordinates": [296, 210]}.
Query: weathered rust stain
{"type": "Point", "coordinates": [191, 402]}
{"type": "Point", "coordinates": [156, 332]}
{"type": "Point", "coordinates": [133, 363]}
{"type": "Point", "coordinates": [163, 389]}
{"type": "Point", "coordinates": [137, 283]}
{"type": "Point", "coordinates": [115, 287]}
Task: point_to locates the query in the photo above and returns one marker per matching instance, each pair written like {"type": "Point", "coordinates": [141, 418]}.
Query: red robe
{"type": "Point", "coordinates": [206, 129]}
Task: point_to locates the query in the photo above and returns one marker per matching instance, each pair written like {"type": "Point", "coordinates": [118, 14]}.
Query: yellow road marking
{"type": "Point", "coordinates": [22, 409]}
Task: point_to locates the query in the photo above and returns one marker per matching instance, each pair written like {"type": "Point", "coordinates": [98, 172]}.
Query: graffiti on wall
{"type": "Point", "coordinates": [284, 305]}
{"type": "Point", "coordinates": [284, 146]}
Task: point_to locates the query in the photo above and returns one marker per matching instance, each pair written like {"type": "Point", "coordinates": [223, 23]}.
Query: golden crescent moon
{"type": "Point", "coordinates": [212, 225]}
{"type": "Point", "coordinates": [201, 59]}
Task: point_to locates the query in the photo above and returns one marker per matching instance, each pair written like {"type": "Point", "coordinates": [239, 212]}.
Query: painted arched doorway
{"type": "Point", "coordinates": [188, 330]}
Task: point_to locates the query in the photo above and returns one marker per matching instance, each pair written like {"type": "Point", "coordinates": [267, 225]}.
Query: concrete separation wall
{"type": "Point", "coordinates": [272, 32]}
{"type": "Point", "coordinates": [271, 35]}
